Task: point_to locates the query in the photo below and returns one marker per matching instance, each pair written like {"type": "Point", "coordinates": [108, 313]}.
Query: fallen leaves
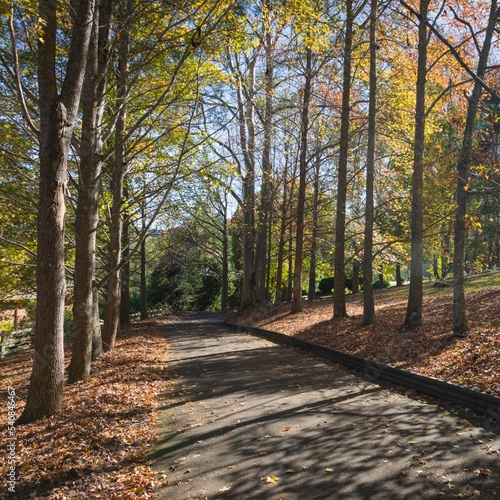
{"type": "Point", "coordinates": [271, 479]}
{"type": "Point", "coordinates": [481, 472]}
{"type": "Point", "coordinates": [472, 361]}
{"type": "Point", "coordinates": [97, 445]}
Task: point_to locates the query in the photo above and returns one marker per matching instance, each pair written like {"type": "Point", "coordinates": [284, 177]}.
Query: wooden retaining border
{"type": "Point", "coordinates": [479, 402]}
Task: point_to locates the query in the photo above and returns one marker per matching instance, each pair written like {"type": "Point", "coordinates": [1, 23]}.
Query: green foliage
{"type": "Point", "coordinates": [185, 282]}
{"type": "Point", "coordinates": [30, 308]}
{"type": "Point", "coordinates": [378, 285]}
{"type": "Point", "coordinates": [6, 326]}
{"type": "Point", "coordinates": [326, 285]}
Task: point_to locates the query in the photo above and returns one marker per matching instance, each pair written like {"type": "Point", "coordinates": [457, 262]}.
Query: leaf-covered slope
{"type": "Point", "coordinates": [473, 361]}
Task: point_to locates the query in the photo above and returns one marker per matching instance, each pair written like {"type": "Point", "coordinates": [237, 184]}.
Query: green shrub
{"type": "Point", "coordinates": [377, 285]}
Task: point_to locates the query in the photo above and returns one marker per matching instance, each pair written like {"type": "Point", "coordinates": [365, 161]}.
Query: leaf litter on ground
{"type": "Point", "coordinates": [97, 446]}
{"type": "Point", "coordinates": [473, 361]}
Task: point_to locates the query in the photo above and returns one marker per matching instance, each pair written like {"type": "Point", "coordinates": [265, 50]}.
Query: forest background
{"type": "Point", "coordinates": [215, 154]}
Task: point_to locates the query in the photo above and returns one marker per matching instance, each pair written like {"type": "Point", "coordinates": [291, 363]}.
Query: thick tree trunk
{"type": "Point", "coordinates": [87, 210]}
{"type": "Point", "coordinates": [299, 239]}
{"type": "Point", "coordinates": [113, 285]}
{"type": "Point", "coordinates": [368, 299]}
{"type": "Point", "coordinates": [47, 378]}
{"type": "Point", "coordinates": [86, 222]}
{"type": "Point", "coordinates": [57, 118]}
{"type": "Point", "coordinates": [339, 305]}
{"type": "Point", "coordinates": [261, 262]}
{"type": "Point", "coordinates": [460, 323]}
{"type": "Point", "coordinates": [283, 225]}
{"type": "Point", "coordinates": [246, 112]}
{"type": "Point", "coordinates": [414, 307]}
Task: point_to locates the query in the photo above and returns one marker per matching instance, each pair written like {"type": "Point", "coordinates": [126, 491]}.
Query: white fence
{"type": "Point", "coordinates": [21, 340]}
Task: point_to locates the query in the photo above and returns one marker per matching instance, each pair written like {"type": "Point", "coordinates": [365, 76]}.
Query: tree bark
{"type": "Point", "coordinates": [355, 276]}
{"type": "Point", "coordinates": [283, 226]}
{"type": "Point", "coordinates": [125, 270]}
{"type": "Point", "coordinates": [113, 285]}
{"type": "Point", "coordinates": [246, 112]}
{"type": "Point", "coordinates": [57, 119]}
{"type": "Point", "coordinates": [311, 293]}
{"type": "Point", "coordinates": [86, 220]}
{"type": "Point", "coordinates": [299, 239]}
{"type": "Point", "coordinates": [399, 279]}
{"type": "Point", "coordinates": [460, 322]}
{"type": "Point", "coordinates": [339, 305]}
{"type": "Point", "coordinates": [85, 300]}
{"type": "Point", "coordinates": [414, 307]}
{"type": "Point", "coordinates": [225, 261]}
{"type": "Point", "coordinates": [261, 262]}
{"type": "Point", "coordinates": [143, 256]}
{"type": "Point", "coordinates": [97, 349]}
{"type": "Point", "coordinates": [368, 299]}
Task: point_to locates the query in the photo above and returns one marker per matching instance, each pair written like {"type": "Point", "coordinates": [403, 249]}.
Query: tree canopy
{"type": "Point", "coordinates": [216, 154]}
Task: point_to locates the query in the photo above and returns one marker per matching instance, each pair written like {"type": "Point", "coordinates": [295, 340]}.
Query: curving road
{"type": "Point", "coordinates": [248, 419]}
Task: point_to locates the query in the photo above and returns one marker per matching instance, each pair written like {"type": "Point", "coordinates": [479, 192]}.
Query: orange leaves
{"type": "Point", "coordinates": [472, 361]}
{"type": "Point", "coordinates": [97, 444]}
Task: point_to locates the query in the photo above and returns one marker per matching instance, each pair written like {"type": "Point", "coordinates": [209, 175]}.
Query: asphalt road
{"type": "Point", "coordinates": [248, 419]}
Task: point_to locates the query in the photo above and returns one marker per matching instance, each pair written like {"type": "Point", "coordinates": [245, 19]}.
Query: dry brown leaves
{"type": "Point", "coordinates": [473, 361]}
{"type": "Point", "coordinates": [97, 445]}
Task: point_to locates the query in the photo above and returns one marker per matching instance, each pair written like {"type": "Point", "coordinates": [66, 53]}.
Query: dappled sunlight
{"type": "Point", "coordinates": [472, 361]}
{"type": "Point", "coordinates": [246, 418]}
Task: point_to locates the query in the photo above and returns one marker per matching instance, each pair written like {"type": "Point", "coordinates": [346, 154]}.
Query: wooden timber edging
{"type": "Point", "coordinates": [480, 402]}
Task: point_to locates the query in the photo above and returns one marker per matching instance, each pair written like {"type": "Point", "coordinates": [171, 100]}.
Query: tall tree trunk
{"type": "Point", "coordinates": [289, 287]}
{"type": "Point", "coordinates": [355, 276]}
{"type": "Point", "coordinates": [414, 307]}
{"type": "Point", "coordinates": [269, 256]}
{"type": "Point", "coordinates": [113, 285]}
{"type": "Point", "coordinates": [435, 268]}
{"type": "Point", "coordinates": [299, 239]}
{"type": "Point", "coordinates": [57, 119]}
{"type": "Point", "coordinates": [125, 271]}
{"type": "Point", "coordinates": [283, 225]}
{"type": "Point", "coordinates": [399, 279]}
{"type": "Point", "coordinates": [85, 299]}
{"type": "Point", "coordinates": [97, 349]}
{"type": "Point", "coordinates": [261, 262]}
{"type": "Point", "coordinates": [225, 266]}
{"type": "Point", "coordinates": [368, 299]}
{"type": "Point", "coordinates": [339, 306]}
{"type": "Point", "coordinates": [460, 323]}
{"type": "Point", "coordinates": [311, 293]}
{"type": "Point", "coordinates": [144, 281]}
{"type": "Point", "coordinates": [144, 278]}
{"type": "Point", "coordinates": [246, 111]}
{"type": "Point", "coordinates": [86, 217]}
